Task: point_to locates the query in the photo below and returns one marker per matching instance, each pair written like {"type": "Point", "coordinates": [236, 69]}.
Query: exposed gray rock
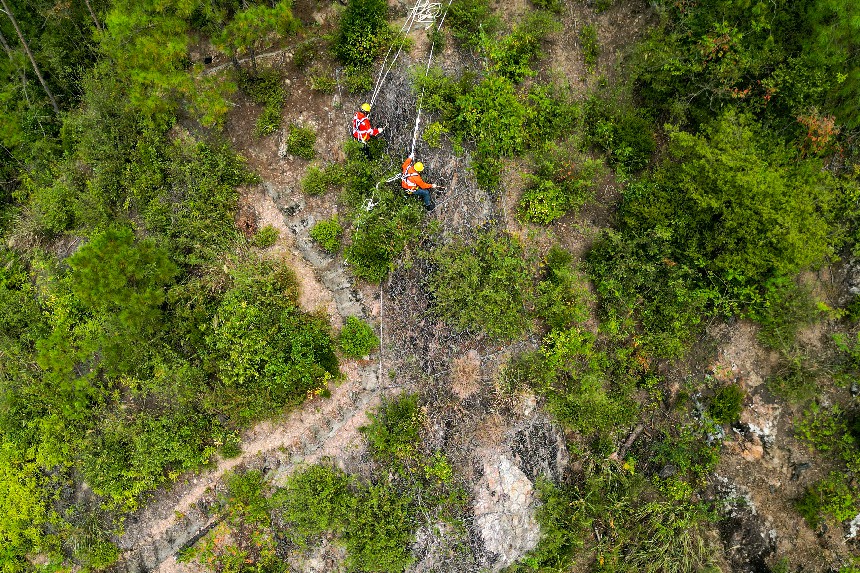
{"type": "Point", "coordinates": [504, 509]}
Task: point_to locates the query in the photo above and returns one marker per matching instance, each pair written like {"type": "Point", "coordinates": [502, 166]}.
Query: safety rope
{"type": "Point", "coordinates": [423, 12]}
{"type": "Point", "coordinates": [426, 71]}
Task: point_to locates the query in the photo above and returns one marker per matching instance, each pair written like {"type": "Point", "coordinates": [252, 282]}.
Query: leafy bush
{"type": "Point", "coordinates": [321, 80]}
{"type": "Point", "coordinates": [374, 522]}
{"type": "Point", "coordinates": [327, 234]}
{"type": "Point", "coordinates": [266, 237]}
{"type": "Point", "coordinates": [379, 534]}
{"type": "Point", "coordinates": [512, 54]}
{"type": "Point", "coordinates": [828, 499]}
{"type": "Point", "coordinates": [267, 352]}
{"type": "Point", "coordinates": [469, 18]}
{"type": "Point", "coordinates": [301, 141]}
{"type": "Point", "coordinates": [625, 136]}
{"type": "Point", "coordinates": [305, 53]}
{"type": "Point", "coordinates": [589, 45]}
{"type": "Point", "coordinates": [315, 500]}
{"type": "Point", "coordinates": [726, 404]}
{"type": "Point", "coordinates": [266, 89]}
{"type": "Point", "coordinates": [794, 381]}
{"type": "Point", "coordinates": [361, 33]}
{"type": "Point", "coordinates": [786, 308]}
{"type": "Point", "coordinates": [315, 181]}
{"type": "Point", "coordinates": [560, 184]}
{"type": "Point", "coordinates": [831, 430]}
{"type": "Point", "coordinates": [130, 457]}
{"type": "Point", "coordinates": [493, 114]}
{"type": "Point", "coordinates": [357, 338]}
{"type": "Point", "coordinates": [484, 284]}
{"type": "Point", "coordinates": [562, 296]}
{"type": "Point", "coordinates": [381, 234]}
{"type": "Point", "coordinates": [358, 80]}
{"type": "Point", "coordinates": [642, 532]}
{"type": "Point", "coordinates": [770, 210]}
{"type": "Point", "coordinates": [393, 433]}
{"type": "Point", "coordinates": [551, 5]}
{"type": "Point", "coordinates": [432, 134]}
{"type": "Point", "coordinates": [246, 500]}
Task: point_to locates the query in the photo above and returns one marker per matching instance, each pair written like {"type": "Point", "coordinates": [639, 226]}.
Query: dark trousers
{"type": "Point", "coordinates": [424, 194]}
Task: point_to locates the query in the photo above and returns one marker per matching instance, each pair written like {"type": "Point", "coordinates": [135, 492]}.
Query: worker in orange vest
{"type": "Point", "coordinates": [410, 179]}
{"type": "Point", "coordinates": [362, 130]}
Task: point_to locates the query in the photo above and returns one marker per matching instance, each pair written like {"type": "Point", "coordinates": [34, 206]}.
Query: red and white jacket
{"type": "Point", "coordinates": [361, 128]}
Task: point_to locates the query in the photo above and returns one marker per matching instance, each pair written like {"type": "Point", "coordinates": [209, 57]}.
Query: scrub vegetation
{"type": "Point", "coordinates": [700, 177]}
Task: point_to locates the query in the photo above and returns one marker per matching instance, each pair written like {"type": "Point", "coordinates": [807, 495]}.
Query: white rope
{"type": "Point", "coordinates": [423, 12]}
{"type": "Point", "coordinates": [426, 71]}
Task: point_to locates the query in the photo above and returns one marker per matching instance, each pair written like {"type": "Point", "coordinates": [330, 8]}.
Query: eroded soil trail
{"type": "Point", "coordinates": [321, 427]}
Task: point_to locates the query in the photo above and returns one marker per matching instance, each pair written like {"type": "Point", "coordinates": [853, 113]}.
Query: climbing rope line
{"type": "Point", "coordinates": [426, 71]}
{"type": "Point", "coordinates": [423, 12]}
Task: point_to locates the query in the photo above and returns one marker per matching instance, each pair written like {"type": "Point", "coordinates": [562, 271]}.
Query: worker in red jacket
{"type": "Point", "coordinates": [361, 129]}
{"type": "Point", "coordinates": [410, 179]}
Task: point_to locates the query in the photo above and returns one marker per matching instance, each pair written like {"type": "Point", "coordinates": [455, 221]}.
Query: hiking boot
{"type": "Point", "coordinates": [430, 207]}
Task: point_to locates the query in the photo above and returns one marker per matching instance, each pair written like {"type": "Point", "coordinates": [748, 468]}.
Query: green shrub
{"type": "Point", "coordinates": [131, 456]}
{"type": "Point", "coordinates": [266, 237]}
{"type": "Point", "coordinates": [305, 53]}
{"type": "Point", "coordinates": [357, 338]}
{"type": "Point", "coordinates": [361, 33]}
{"type": "Point", "coordinates": [562, 296]}
{"type": "Point", "coordinates": [315, 500]}
{"type": "Point", "coordinates": [551, 5]}
{"type": "Point", "coordinates": [322, 81]}
{"type": "Point", "coordinates": [468, 19]}
{"type": "Point", "coordinates": [786, 308]}
{"type": "Point", "coordinates": [513, 54]}
{"type": "Point", "coordinates": [393, 432]}
{"type": "Point", "coordinates": [627, 138]}
{"type": "Point", "coordinates": [266, 89]}
{"type": "Point", "coordinates": [266, 352]}
{"type": "Point", "coordinates": [358, 80]}
{"type": "Point", "coordinates": [685, 448]}
{"type": "Point", "coordinates": [589, 45]}
{"type": "Point", "coordinates": [269, 121]}
{"type": "Point", "coordinates": [726, 404]}
{"type": "Point", "coordinates": [484, 284]}
{"type": "Point", "coordinates": [828, 499]}
{"type": "Point", "coordinates": [327, 234]}
{"type": "Point", "coordinates": [315, 181]}
{"type": "Point", "coordinates": [560, 184]}
{"type": "Point", "coordinates": [494, 116]}
{"type": "Point", "coordinates": [432, 134]}
{"type": "Point", "coordinates": [379, 533]}
{"type": "Point", "coordinates": [246, 500]}
{"type": "Point", "coordinates": [794, 381]}
{"type": "Point", "coordinates": [301, 141]}
{"type": "Point", "coordinates": [381, 234]}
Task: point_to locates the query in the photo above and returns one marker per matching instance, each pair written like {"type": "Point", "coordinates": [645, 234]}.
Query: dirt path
{"type": "Point", "coordinates": [319, 428]}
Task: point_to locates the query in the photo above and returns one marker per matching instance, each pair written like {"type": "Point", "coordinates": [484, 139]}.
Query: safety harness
{"type": "Point", "coordinates": [361, 128]}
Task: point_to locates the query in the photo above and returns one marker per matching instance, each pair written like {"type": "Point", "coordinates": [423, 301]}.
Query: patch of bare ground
{"type": "Point", "coordinates": [618, 28]}
{"type": "Point", "coordinates": [764, 469]}
{"type": "Point", "coordinates": [313, 295]}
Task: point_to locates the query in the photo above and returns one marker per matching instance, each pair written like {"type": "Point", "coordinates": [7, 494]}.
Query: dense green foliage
{"type": "Point", "coordinates": [327, 233]}
{"type": "Point", "coordinates": [362, 32]}
{"type": "Point", "coordinates": [356, 338]}
{"type": "Point", "coordinates": [301, 141]}
{"type": "Point", "coordinates": [140, 333]}
{"type": "Point", "coordinates": [560, 184]}
{"type": "Point", "coordinates": [485, 284]}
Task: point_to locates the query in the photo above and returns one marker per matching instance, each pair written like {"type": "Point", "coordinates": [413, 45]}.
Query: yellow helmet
{"type": "Point", "coordinates": [365, 107]}
{"type": "Point", "coordinates": [419, 166]}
